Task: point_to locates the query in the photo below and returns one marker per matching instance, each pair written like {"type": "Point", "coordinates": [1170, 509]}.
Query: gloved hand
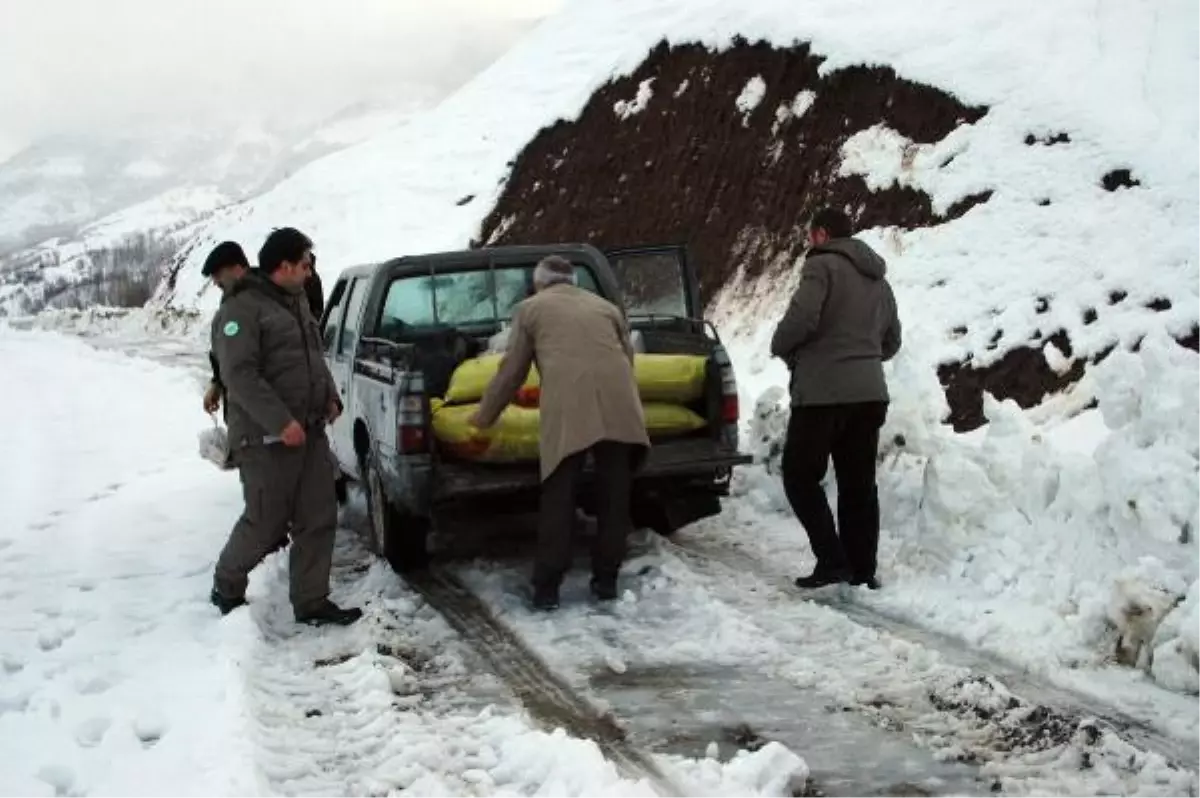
{"type": "Point", "coordinates": [212, 398]}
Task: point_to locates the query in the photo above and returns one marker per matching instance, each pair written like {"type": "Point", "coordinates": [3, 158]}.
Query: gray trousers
{"type": "Point", "coordinates": [614, 473]}
{"type": "Point", "coordinates": [283, 485]}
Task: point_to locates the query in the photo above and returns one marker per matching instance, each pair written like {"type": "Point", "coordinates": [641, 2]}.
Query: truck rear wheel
{"type": "Point", "coordinates": [398, 537]}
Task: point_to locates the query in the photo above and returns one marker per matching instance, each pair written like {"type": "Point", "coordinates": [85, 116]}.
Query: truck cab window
{"type": "Point", "coordinates": [652, 284]}
{"type": "Point", "coordinates": [476, 296]}
{"type": "Point", "coordinates": [357, 295]}
{"type": "Point", "coordinates": [333, 315]}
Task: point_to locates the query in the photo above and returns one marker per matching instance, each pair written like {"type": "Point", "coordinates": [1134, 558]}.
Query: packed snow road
{"type": "Point", "coordinates": [120, 678]}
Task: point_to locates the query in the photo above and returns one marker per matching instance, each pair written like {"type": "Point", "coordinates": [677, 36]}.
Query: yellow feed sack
{"type": "Point", "coordinates": [514, 438]}
{"type": "Point", "coordinates": [678, 379]}
{"type": "Point", "coordinates": [471, 378]}
{"type": "Point", "coordinates": [670, 378]}
{"type": "Point", "coordinates": [663, 420]}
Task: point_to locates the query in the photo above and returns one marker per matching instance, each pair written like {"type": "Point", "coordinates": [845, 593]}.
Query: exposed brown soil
{"type": "Point", "coordinates": [1049, 141]}
{"type": "Point", "coordinates": [1022, 375]}
{"type": "Point", "coordinates": [691, 168]}
{"type": "Point", "coordinates": [1119, 178]}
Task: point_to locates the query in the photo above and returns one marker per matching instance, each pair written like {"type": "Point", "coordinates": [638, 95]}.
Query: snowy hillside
{"type": "Point", "coordinates": [1047, 263]}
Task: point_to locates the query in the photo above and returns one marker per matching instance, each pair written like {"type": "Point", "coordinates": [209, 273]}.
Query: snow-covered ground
{"type": "Point", "coordinates": [1039, 541]}
{"type": "Point", "coordinates": [119, 677]}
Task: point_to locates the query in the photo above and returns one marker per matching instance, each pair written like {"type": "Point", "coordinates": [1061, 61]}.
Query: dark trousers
{"type": "Point", "coordinates": [614, 472]}
{"type": "Point", "coordinates": [850, 434]}
{"type": "Point", "coordinates": [284, 485]}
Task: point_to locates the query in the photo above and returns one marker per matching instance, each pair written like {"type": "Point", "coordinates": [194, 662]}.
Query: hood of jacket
{"type": "Point", "coordinates": [866, 260]}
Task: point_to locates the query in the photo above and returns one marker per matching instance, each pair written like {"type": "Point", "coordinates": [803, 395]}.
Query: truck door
{"type": "Point", "coordinates": [343, 323]}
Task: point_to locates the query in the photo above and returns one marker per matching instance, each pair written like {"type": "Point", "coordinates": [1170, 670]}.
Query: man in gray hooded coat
{"type": "Point", "coordinates": [839, 328]}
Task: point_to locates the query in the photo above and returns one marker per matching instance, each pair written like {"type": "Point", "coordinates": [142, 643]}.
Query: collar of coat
{"type": "Point", "coordinates": [255, 280]}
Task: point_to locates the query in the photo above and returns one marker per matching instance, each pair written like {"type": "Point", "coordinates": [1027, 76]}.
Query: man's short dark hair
{"type": "Point", "coordinates": [832, 221]}
{"type": "Point", "coordinates": [227, 253]}
{"type": "Point", "coordinates": [283, 244]}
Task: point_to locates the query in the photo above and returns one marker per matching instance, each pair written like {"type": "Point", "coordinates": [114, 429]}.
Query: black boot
{"type": "Point", "coordinates": [869, 582]}
{"type": "Point", "coordinates": [225, 605]}
{"type": "Point", "coordinates": [822, 577]}
{"type": "Point", "coordinates": [340, 489]}
{"type": "Point", "coordinates": [329, 614]}
{"type": "Point", "coordinates": [604, 588]}
{"type": "Point", "coordinates": [545, 597]}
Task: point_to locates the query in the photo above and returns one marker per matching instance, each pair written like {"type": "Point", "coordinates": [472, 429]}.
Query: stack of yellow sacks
{"type": "Point", "coordinates": [666, 383]}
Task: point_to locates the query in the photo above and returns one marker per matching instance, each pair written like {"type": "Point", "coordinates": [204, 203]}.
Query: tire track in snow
{"type": "Point", "coordinates": [1072, 705]}
{"type": "Point", "coordinates": [542, 693]}
{"type": "Point", "coordinates": [365, 709]}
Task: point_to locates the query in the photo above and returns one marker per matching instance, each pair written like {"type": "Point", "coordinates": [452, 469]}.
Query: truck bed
{"type": "Point", "coordinates": [670, 458]}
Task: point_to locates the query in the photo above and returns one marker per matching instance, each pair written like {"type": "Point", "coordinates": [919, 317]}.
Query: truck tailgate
{"type": "Point", "coordinates": [670, 458]}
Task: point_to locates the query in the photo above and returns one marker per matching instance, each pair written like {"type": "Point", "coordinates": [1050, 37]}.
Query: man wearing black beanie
{"type": "Point", "coordinates": [225, 265]}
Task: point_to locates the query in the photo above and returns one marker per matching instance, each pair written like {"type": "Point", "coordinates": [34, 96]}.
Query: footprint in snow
{"type": "Point", "coordinates": [10, 664]}
{"type": "Point", "coordinates": [51, 639]}
{"type": "Point", "coordinates": [60, 777]}
{"type": "Point", "coordinates": [95, 684]}
{"type": "Point", "coordinates": [6, 542]}
{"type": "Point", "coordinates": [91, 732]}
{"type": "Point", "coordinates": [149, 727]}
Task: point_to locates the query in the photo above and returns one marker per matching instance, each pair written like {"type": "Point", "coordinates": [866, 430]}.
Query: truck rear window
{"type": "Point", "coordinates": [463, 298]}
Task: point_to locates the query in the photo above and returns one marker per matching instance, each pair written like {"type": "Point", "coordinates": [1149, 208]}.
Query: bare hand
{"type": "Point", "coordinates": [212, 399]}
{"type": "Point", "coordinates": [293, 434]}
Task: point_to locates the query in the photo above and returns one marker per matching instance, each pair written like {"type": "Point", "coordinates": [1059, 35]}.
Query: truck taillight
{"type": "Point", "coordinates": [411, 437]}
{"type": "Point", "coordinates": [729, 393]}
{"type": "Point", "coordinates": [729, 409]}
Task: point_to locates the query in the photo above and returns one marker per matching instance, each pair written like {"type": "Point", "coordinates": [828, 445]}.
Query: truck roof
{"type": "Point", "coordinates": [466, 257]}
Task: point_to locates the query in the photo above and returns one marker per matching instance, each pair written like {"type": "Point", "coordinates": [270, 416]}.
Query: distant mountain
{"type": "Point", "coordinates": [62, 183]}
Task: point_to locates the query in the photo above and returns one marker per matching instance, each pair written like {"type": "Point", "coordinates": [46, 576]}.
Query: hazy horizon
{"type": "Point", "coordinates": [92, 70]}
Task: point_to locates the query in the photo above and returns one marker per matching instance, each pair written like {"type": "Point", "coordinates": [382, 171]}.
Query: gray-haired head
{"type": "Point", "coordinates": [553, 270]}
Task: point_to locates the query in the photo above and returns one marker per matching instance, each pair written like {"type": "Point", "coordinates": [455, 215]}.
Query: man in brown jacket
{"type": "Point", "coordinates": [589, 406]}
{"type": "Point", "coordinates": [838, 329]}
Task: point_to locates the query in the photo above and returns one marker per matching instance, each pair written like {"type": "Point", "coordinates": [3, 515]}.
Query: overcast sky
{"type": "Point", "coordinates": [72, 66]}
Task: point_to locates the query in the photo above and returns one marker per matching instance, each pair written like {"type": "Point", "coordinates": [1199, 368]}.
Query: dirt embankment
{"type": "Point", "coordinates": [673, 153]}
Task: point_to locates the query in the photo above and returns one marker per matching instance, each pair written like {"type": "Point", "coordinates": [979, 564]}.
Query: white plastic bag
{"type": "Point", "coordinates": [214, 446]}
{"type": "Point", "coordinates": [498, 343]}
{"type": "Point", "coordinates": [639, 343]}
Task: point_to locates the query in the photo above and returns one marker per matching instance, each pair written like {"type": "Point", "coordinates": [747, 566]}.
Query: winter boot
{"type": "Point", "coordinates": [604, 588]}
{"type": "Point", "coordinates": [329, 614]}
{"type": "Point", "coordinates": [545, 597]}
{"type": "Point", "coordinates": [869, 582]}
{"type": "Point", "coordinates": [822, 577]}
{"type": "Point", "coordinates": [225, 605]}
